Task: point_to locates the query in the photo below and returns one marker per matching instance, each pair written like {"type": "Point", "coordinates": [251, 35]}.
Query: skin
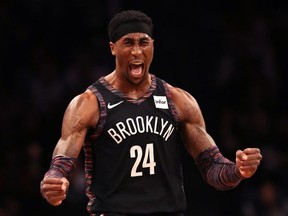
{"type": "Point", "coordinates": [83, 113]}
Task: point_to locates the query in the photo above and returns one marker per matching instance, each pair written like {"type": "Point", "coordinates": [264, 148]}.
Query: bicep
{"type": "Point", "coordinates": [81, 113]}
{"type": "Point", "coordinates": [193, 129]}
{"type": "Point", "coordinates": [71, 140]}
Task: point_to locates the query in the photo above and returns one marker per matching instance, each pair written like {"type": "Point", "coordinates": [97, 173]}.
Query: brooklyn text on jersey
{"type": "Point", "coordinates": [148, 124]}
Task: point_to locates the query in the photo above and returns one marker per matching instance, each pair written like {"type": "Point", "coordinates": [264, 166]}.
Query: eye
{"type": "Point", "coordinates": [128, 44]}
{"type": "Point", "coordinates": [144, 43]}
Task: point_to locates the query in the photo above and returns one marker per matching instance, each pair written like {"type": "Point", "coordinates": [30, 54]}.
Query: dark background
{"type": "Point", "coordinates": [230, 55]}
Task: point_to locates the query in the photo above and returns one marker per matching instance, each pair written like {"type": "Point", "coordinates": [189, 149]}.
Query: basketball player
{"type": "Point", "coordinates": [131, 125]}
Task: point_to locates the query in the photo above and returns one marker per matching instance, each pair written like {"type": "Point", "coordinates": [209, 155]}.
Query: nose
{"type": "Point", "coordinates": [136, 49]}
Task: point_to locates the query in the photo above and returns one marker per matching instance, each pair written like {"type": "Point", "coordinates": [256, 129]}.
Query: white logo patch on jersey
{"type": "Point", "coordinates": [161, 102]}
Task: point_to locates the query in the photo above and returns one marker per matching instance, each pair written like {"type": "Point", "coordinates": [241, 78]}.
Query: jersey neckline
{"type": "Point", "coordinates": [122, 95]}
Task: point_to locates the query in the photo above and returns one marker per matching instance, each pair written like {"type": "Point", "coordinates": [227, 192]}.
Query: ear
{"type": "Point", "coordinates": [112, 48]}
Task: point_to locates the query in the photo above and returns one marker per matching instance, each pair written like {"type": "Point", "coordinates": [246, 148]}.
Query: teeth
{"type": "Point", "coordinates": [137, 63]}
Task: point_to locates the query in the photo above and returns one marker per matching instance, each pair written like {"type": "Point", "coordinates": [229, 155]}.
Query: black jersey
{"type": "Point", "coordinates": [132, 156]}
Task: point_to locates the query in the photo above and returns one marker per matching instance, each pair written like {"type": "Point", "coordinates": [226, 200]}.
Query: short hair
{"type": "Point", "coordinates": [135, 20]}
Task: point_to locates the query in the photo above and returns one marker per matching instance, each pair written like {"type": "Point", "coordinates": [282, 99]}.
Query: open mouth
{"type": "Point", "coordinates": [136, 68]}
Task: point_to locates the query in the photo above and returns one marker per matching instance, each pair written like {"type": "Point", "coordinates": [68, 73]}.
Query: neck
{"type": "Point", "coordinates": [131, 90]}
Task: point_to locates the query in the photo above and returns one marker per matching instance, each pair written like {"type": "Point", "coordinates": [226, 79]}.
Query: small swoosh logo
{"type": "Point", "coordinates": [110, 106]}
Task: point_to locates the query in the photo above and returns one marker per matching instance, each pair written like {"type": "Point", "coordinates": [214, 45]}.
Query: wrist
{"type": "Point", "coordinates": [61, 166]}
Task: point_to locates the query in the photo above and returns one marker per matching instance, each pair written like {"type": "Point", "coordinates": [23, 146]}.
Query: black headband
{"type": "Point", "coordinates": [131, 27]}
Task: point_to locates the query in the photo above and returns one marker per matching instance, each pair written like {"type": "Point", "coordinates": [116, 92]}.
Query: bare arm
{"type": "Point", "coordinates": [216, 170]}
{"type": "Point", "coordinates": [193, 128]}
{"type": "Point", "coordinates": [81, 114]}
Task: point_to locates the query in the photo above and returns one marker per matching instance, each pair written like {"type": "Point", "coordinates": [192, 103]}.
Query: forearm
{"type": "Point", "coordinates": [217, 170]}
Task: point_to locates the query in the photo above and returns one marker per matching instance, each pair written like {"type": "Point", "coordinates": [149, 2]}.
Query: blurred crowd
{"type": "Point", "coordinates": [231, 56]}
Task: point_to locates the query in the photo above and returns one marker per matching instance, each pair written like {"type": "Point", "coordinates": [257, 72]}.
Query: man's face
{"type": "Point", "coordinates": [134, 54]}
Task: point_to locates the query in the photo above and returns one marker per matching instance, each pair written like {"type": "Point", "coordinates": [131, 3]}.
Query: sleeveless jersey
{"type": "Point", "coordinates": [132, 156]}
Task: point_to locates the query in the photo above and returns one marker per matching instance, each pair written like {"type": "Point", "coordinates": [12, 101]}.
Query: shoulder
{"type": "Point", "coordinates": [186, 104]}
{"type": "Point", "coordinates": [86, 98]}
{"type": "Point", "coordinates": [181, 95]}
{"type": "Point", "coordinates": [85, 107]}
